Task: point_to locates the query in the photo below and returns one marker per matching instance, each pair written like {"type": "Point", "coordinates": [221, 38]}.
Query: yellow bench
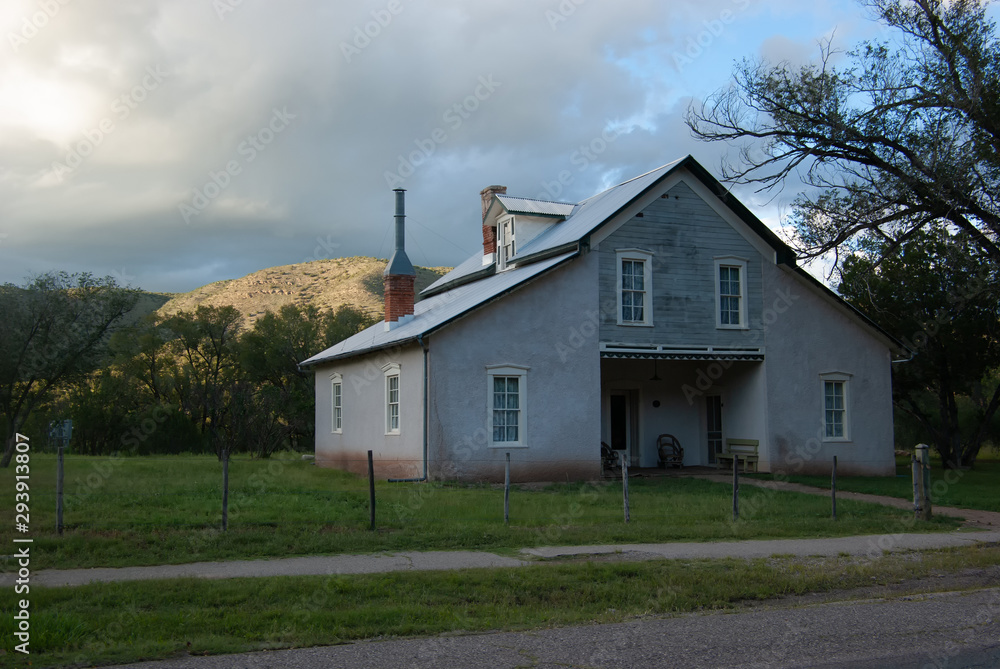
{"type": "Point", "coordinates": [744, 450]}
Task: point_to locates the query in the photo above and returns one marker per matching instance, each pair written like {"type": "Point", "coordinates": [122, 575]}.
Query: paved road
{"type": "Point", "coordinates": [926, 631]}
{"type": "Point", "coordinates": [872, 545]}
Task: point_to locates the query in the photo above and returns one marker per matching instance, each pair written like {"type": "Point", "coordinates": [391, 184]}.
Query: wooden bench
{"type": "Point", "coordinates": [744, 450]}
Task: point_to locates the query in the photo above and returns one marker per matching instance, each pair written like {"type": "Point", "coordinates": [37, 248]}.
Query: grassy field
{"type": "Point", "coordinates": [111, 623]}
{"type": "Point", "coordinates": [977, 488]}
{"type": "Point", "coordinates": [160, 510]}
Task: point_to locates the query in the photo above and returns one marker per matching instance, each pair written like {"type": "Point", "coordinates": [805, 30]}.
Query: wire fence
{"type": "Point", "coordinates": [95, 494]}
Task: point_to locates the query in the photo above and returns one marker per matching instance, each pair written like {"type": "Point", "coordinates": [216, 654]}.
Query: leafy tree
{"type": "Point", "coordinates": [942, 300]}
{"type": "Point", "coordinates": [196, 379]}
{"type": "Point", "coordinates": [902, 137]}
{"type": "Point", "coordinates": [206, 366]}
{"type": "Point", "coordinates": [53, 332]}
{"type": "Point", "coordinates": [141, 354]}
{"type": "Point", "coordinates": [271, 351]}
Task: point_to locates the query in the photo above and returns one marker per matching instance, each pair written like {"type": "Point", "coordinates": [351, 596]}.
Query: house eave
{"type": "Point", "coordinates": [545, 254]}
{"type": "Point", "coordinates": [486, 271]}
{"type": "Point", "coordinates": [634, 351]}
{"type": "Point", "coordinates": [429, 330]}
{"type": "Point", "coordinates": [784, 255]}
{"type": "Point", "coordinates": [356, 352]}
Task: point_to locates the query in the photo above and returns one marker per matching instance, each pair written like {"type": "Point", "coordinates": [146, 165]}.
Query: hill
{"type": "Point", "coordinates": [327, 284]}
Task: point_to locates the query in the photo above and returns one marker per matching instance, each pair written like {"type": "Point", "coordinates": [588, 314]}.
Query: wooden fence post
{"type": "Point", "coordinates": [736, 487]}
{"type": "Point", "coordinates": [371, 490]}
{"type": "Point", "coordinates": [225, 489]}
{"type": "Point", "coordinates": [924, 460]}
{"type": "Point", "coordinates": [625, 484]}
{"type": "Point", "coordinates": [59, 491]}
{"type": "Point", "coordinates": [833, 487]}
{"type": "Point", "coordinates": [506, 492]}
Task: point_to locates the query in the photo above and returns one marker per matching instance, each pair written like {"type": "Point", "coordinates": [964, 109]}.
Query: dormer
{"type": "Point", "coordinates": [510, 223]}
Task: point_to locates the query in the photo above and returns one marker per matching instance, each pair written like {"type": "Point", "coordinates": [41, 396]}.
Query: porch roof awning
{"type": "Point", "coordinates": [663, 352]}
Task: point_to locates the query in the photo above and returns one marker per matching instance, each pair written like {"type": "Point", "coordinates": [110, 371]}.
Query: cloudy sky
{"type": "Point", "coordinates": [171, 143]}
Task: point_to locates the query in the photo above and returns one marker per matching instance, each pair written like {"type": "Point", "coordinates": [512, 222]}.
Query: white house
{"type": "Point", "coordinates": [661, 305]}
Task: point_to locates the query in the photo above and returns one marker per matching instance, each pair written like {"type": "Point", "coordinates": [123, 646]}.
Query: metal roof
{"type": "Point", "coordinates": [592, 212]}
{"type": "Point", "coordinates": [470, 266]}
{"type": "Point", "coordinates": [475, 283]}
{"type": "Point", "coordinates": [581, 219]}
{"type": "Point", "coordinates": [523, 205]}
{"type": "Point", "coordinates": [438, 310]}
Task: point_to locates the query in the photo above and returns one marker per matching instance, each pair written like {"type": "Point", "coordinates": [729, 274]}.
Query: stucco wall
{"type": "Point", "coordinates": [807, 336]}
{"type": "Point", "coordinates": [550, 326]}
{"type": "Point", "coordinates": [364, 418]}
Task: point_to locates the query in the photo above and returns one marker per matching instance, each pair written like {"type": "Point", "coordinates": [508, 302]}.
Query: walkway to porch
{"type": "Point", "coordinates": [658, 472]}
{"type": "Point", "coordinates": [974, 518]}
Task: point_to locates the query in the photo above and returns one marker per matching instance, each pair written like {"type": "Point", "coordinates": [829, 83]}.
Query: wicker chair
{"type": "Point", "coordinates": [609, 458]}
{"type": "Point", "coordinates": [669, 449]}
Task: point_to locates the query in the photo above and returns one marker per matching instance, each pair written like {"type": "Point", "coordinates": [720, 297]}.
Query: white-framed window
{"type": "Point", "coordinates": [836, 406]}
{"type": "Point", "coordinates": [731, 293]}
{"type": "Point", "coordinates": [506, 247]}
{"type": "Point", "coordinates": [506, 409]}
{"type": "Point", "coordinates": [391, 372]}
{"type": "Point", "coordinates": [634, 286]}
{"type": "Point", "coordinates": [336, 403]}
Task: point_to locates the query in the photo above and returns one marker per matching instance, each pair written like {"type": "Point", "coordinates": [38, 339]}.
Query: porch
{"type": "Point", "coordinates": [700, 396]}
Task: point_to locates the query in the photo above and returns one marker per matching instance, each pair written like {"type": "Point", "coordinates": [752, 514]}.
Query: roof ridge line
{"type": "Point", "coordinates": [534, 199]}
{"type": "Point", "coordinates": [627, 181]}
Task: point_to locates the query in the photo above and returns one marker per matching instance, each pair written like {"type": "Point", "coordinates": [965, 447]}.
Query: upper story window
{"type": "Point", "coordinates": [634, 286]}
{"type": "Point", "coordinates": [730, 293]}
{"type": "Point", "coordinates": [391, 372]}
{"type": "Point", "coordinates": [836, 419]}
{"type": "Point", "coordinates": [506, 247]}
{"type": "Point", "coordinates": [336, 403]}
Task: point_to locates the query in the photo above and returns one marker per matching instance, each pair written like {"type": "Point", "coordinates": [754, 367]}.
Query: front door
{"type": "Point", "coordinates": [623, 423]}
{"type": "Point", "coordinates": [713, 431]}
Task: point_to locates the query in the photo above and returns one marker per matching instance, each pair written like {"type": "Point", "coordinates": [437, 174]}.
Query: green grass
{"type": "Point", "coordinates": [163, 510]}
{"type": "Point", "coordinates": [977, 488]}
{"type": "Point", "coordinates": [124, 622]}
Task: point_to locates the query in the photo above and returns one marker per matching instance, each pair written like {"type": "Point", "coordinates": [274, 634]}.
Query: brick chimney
{"type": "Point", "coordinates": [399, 275]}
{"type": "Point", "coordinates": [489, 231]}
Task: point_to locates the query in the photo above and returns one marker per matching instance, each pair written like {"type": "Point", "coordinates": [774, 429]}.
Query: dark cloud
{"type": "Point", "coordinates": [279, 125]}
